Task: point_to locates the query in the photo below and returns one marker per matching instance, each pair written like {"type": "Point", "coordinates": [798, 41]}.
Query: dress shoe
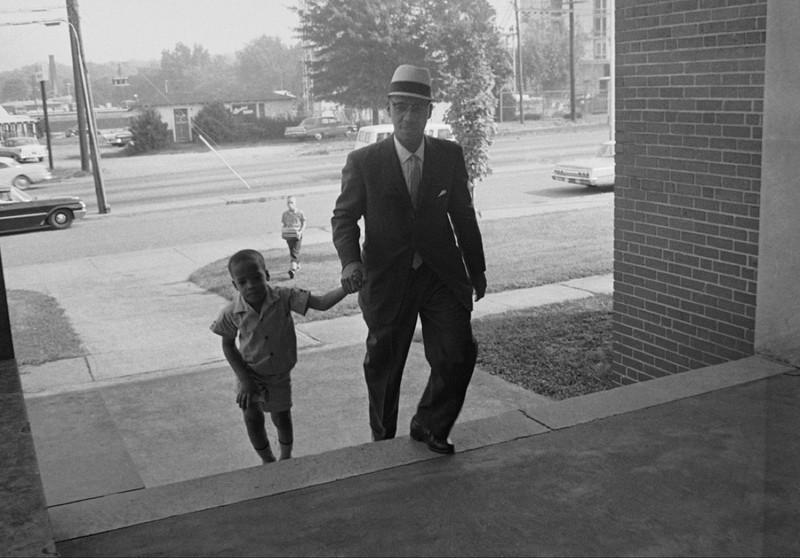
{"type": "Point", "coordinates": [422, 434]}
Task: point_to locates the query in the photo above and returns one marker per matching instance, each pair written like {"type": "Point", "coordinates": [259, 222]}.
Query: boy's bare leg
{"type": "Point", "coordinates": [283, 423]}
{"type": "Point", "coordinates": [254, 421]}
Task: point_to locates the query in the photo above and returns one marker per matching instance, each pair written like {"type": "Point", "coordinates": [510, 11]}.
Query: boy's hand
{"type": "Point", "coordinates": [247, 393]}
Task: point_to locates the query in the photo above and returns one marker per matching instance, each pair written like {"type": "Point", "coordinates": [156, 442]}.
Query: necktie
{"type": "Point", "coordinates": [414, 178]}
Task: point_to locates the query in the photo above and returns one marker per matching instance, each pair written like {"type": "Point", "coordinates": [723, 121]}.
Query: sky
{"type": "Point", "coordinates": [122, 30]}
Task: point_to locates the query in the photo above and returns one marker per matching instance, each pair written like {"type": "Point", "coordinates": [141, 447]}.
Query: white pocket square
{"type": "Point", "coordinates": [442, 193]}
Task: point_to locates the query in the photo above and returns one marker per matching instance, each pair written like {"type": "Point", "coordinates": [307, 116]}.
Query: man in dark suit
{"type": "Point", "coordinates": [422, 256]}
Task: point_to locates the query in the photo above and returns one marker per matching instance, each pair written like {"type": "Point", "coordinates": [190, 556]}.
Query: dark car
{"type": "Point", "coordinates": [20, 211]}
{"type": "Point", "coordinates": [319, 127]}
{"type": "Point", "coordinates": [117, 137]}
{"type": "Point", "coordinates": [122, 139]}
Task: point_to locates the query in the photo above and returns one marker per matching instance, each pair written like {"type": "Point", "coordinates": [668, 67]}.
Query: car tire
{"type": "Point", "coordinates": [60, 219]}
{"type": "Point", "coordinates": [318, 136]}
{"type": "Point", "coordinates": [22, 182]}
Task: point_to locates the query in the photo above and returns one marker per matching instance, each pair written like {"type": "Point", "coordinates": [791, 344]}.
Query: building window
{"type": "Point", "coordinates": [599, 26]}
{"type": "Point", "coordinates": [600, 49]}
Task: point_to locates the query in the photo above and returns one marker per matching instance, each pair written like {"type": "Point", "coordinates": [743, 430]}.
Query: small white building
{"type": "Point", "coordinates": [179, 115]}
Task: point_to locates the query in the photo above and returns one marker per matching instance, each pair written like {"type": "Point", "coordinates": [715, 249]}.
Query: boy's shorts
{"type": "Point", "coordinates": [274, 392]}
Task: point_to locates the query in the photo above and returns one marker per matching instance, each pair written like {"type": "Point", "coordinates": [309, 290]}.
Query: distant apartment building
{"type": "Point", "coordinates": [592, 19]}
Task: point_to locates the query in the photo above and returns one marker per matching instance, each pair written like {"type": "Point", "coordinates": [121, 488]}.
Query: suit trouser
{"type": "Point", "coordinates": [450, 350]}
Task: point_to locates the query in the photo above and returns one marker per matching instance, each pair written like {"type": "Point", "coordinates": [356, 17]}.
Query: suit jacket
{"type": "Point", "coordinates": [443, 228]}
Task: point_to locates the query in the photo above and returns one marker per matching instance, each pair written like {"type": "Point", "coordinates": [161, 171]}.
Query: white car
{"type": "Point", "coordinates": [22, 176]}
{"type": "Point", "coordinates": [372, 134]}
{"type": "Point", "coordinates": [592, 171]}
{"type": "Point", "coordinates": [23, 148]}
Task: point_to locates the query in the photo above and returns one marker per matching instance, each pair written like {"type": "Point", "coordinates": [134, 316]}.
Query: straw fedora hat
{"type": "Point", "coordinates": [411, 81]}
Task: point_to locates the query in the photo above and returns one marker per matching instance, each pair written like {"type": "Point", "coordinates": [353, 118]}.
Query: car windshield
{"type": "Point", "coordinates": [14, 194]}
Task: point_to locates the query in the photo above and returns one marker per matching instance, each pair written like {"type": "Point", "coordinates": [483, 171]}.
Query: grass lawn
{"type": "Point", "coordinates": [560, 350]}
{"type": "Point", "coordinates": [41, 331]}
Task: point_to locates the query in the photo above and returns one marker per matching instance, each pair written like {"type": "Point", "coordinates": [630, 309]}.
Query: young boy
{"type": "Point", "coordinates": [293, 223]}
{"type": "Point", "coordinates": [261, 316]}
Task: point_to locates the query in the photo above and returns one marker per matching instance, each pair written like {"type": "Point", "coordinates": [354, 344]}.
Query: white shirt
{"type": "Point", "coordinates": [405, 155]}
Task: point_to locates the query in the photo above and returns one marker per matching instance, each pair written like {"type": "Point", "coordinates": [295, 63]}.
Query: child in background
{"type": "Point", "coordinates": [261, 317]}
{"type": "Point", "coordinates": [293, 223]}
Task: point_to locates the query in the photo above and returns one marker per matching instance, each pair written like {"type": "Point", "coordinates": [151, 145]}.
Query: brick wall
{"type": "Point", "coordinates": [689, 104]}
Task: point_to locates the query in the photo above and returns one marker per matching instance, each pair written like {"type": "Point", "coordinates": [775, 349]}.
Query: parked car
{"type": "Point", "coordinates": [22, 176]}
{"type": "Point", "coordinates": [319, 127]}
{"type": "Point", "coordinates": [372, 134]}
{"type": "Point", "coordinates": [121, 139]}
{"type": "Point", "coordinates": [23, 148]}
{"type": "Point", "coordinates": [592, 171]}
{"type": "Point", "coordinates": [19, 211]}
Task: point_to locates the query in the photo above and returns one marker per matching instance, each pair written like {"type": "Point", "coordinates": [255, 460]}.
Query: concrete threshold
{"type": "Point", "coordinates": [116, 511]}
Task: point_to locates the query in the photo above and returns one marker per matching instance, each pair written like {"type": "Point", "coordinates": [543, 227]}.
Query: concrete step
{"type": "Point", "coordinates": [139, 506]}
{"type": "Point", "coordinates": [134, 507]}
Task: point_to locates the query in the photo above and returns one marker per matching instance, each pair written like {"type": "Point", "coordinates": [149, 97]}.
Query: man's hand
{"type": "Point", "coordinates": [352, 277]}
{"type": "Point", "coordinates": [247, 393]}
{"type": "Point", "coordinates": [479, 284]}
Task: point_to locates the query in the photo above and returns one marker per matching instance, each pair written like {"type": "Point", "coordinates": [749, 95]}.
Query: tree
{"type": "Point", "coordinates": [356, 46]}
{"type": "Point", "coordinates": [266, 64]}
{"type": "Point", "coordinates": [470, 62]}
{"type": "Point", "coordinates": [149, 131]}
{"type": "Point", "coordinates": [182, 67]}
{"type": "Point", "coordinates": [15, 89]}
{"type": "Point", "coordinates": [545, 53]}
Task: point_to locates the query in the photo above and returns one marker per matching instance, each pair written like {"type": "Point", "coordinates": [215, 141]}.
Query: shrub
{"type": "Point", "coordinates": [149, 132]}
{"type": "Point", "coordinates": [215, 123]}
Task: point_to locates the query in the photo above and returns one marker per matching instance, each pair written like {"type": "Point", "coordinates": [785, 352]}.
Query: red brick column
{"type": "Point", "coordinates": [689, 109]}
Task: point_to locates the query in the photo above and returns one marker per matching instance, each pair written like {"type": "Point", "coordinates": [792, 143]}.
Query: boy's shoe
{"type": "Point", "coordinates": [291, 274]}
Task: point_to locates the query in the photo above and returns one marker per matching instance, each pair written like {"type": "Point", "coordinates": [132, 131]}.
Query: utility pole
{"type": "Point", "coordinates": [519, 62]}
{"type": "Point", "coordinates": [612, 86]}
{"type": "Point", "coordinates": [42, 82]}
{"type": "Point", "coordinates": [308, 102]}
{"type": "Point", "coordinates": [80, 107]}
{"type": "Point", "coordinates": [572, 59]}
{"type": "Point", "coordinates": [72, 12]}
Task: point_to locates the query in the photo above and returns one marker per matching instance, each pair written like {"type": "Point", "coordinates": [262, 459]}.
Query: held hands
{"type": "Point", "coordinates": [247, 393]}
{"type": "Point", "coordinates": [479, 284]}
{"type": "Point", "coordinates": [352, 277]}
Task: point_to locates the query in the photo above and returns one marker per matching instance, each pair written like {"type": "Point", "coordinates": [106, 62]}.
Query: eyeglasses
{"type": "Point", "coordinates": [416, 109]}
